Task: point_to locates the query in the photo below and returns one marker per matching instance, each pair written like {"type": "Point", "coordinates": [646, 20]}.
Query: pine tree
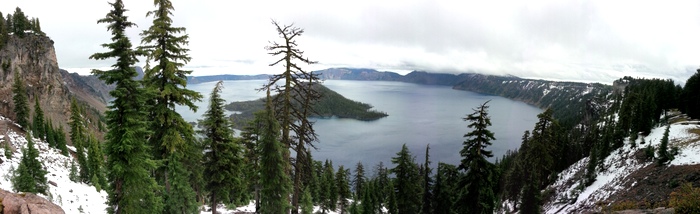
{"type": "Point", "coordinates": [294, 100]}
{"type": "Point", "coordinates": [61, 140]}
{"type": "Point", "coordinates": [275, 184]}
{"type": "Point", "coordinates": [443, 191]}
{"type": "Point", "coordinates": [343, 188]}
{"type": "Point", "coordinates": [368, 200]}
{"type": "Point", "coordinates": [307, 205]}
{"type": "Point", "coordinates": [77, 136]}
{"type": "Point", "coordinates": [4, 33]}
{"type": "Point", "coordinates": [130, 187]}
{"type": "Point", "coordinates": [222, 152]}
{"type": "Point", "coordinates": [8, 150]}
{"type": "Point", "coordinates": [95, 163]}
{"type": "Point", "coordinates": [664, 156]}
{"type": "Point", "coordinates": [691, 96]}
{"type": "Point", "coordinates": [427, 183]}
{"type": "Point", "coordinates": [73, 175]}
{"type": "Point", "coordinates": [20, 22]}
{"type": "Point", "coordinates": [407, 187]}
{"type": "Point", "coordinates": [538, 162]}
{"type": "Point", "coordinates": [329, 195]}
{"type": "Point", "coordinates": [38, 122]}
{"type": "Point", "coordinates": [19, 98]}
{"type": "Point", "coordinates": [31, 175]}
{"type": "Point", "coordinates": [475, 188]}
{"type": "Point", "coordinates": [392, 204]}
{"type": "Point", "coordinates": [359, 180]}
{"type": "Point", "coordinates": [165, 79]}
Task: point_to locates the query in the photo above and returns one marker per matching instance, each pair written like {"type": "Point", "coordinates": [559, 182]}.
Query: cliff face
{"type": "Point", "coordinates": [33, 59]}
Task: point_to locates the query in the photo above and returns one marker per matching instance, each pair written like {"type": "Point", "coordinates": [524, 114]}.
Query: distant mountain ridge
{"type": "Point", "coordinates": [567, 99]}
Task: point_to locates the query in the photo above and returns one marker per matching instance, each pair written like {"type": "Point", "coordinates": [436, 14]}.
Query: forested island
{"type": "Point", "coordinates": [331, 104]}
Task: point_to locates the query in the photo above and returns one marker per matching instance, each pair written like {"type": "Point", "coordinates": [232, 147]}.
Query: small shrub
{"type": "Point", "coordinates": [686, 199]}
{"type": "Point", "coordinates": [624, 205]}
{"type": "Point", "coordinates": [649, 152]}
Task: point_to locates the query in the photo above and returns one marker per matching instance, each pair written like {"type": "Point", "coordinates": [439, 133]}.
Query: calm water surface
{"type": "Point", "coordinates": [418, 115]}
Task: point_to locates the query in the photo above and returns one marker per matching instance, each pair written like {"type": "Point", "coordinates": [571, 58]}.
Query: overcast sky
{"type": "Point", "coordinates": [550, 39]}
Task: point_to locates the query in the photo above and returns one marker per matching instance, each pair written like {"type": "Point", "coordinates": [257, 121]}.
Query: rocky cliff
{"type": "Point", "coordinates": [33, 59]}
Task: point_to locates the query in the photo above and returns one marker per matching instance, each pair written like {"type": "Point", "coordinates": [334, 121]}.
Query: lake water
{"type": "Point", "coordinates": [418, 115]}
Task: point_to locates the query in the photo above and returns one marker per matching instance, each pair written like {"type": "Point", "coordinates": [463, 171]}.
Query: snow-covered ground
{"type": "Point", "coordinates": [71, 196]}
{"type": "Point", "coordinates": [617, 166]}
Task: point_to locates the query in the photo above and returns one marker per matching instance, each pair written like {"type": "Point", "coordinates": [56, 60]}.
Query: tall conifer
{"type": "Point", "coordinates": [274, 181]}
{"type": "Point", "coordinates": [19, 98]}
{"type": "Point", "coordinates": [31, 175]}
{"type": "Point", "coordinates": [406, 182]}
{"type": "Point", "coordinates": [476, 187]}
{"type": "Point", "coordinates": [38, 121]}
{"type": "Point", "coordinates": [173, 140]}
{"type": "Point", "coordinates": [131, 188]}
{"type": "Point", "coordinates": [222, 152]}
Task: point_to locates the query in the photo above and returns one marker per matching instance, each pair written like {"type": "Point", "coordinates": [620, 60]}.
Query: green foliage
{"type": "Point", "coordinates": [130, 185]}
{"type": "Point", "coordinates": [95, 163]}
{"type": "Point", "coordinates": [328, 194]}
{"type": "Point", "coordinates": [38, 123]}
{"type": "Point", "coordinates": [30, 175]}
{"type": "Point", "coordinates": [408, 189]}
{"type": "Point", "coordinates": [8, 150]}
{"type": "Point", "coordinates": [664, 155]}
{"type": "Point", "coordinates": [691, 96]}
{"type": "Point", "coordinates": [392, 204]}
{"type": "Point", "coordinates": [20, 23]}
{"type": "Point", "coordinates": [359, 179]}
{"type": "Point", "coordinates": [686, 199]}
{"type": "Point", "coordinates": [4, 33]}
{"type": "Point", "coordinates": [78, 137]}
{"type": "Point", "coordinates": [61, 140]}
{"type": "Point", "coordinates": [342, 184]}
{"type": "Point", "coordinates": [307, 205]}
{"type": "Point", "coordinates": [222, 158]}
{"type": "Point", "coordinates": [19, 98]}
{"type": "Point", "coordinates": [180, 197]}
{"type": "Point", "coordinates": [73, 175]}
{"type": "Point", "coordinates": [426, 206]}
{"type": "Point", "coordinates": [275, 184]}
{"type": "Point", "coordinates": [476, 187]}
{"type": "Point", "coordinates": [166, 84]}
{"type": "Point", "coordinates": [444, 190]}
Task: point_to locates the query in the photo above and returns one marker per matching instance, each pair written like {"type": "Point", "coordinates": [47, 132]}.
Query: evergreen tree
{"type": "Point", "coordinates": [222, 152]}
{"type": "Point", "coordinates": [131, 188]}
{"type": "Point", "coordinates": [691, 96]}
{"type": "Point", "coordinates": [664, 156]}
{"type": "Point", "coordinates": [329, 195]}
{"type": "Point", "coordinates": [307, 205]}
{"type": "Point", "coordinates": [294, 100]}
{"type": "Point", "coordinates": [427, 183]}
{"type": "Point", "coordinates": [368, 200]}
{"type": "Point", "coordinates": [4, 34]}
{"type": "Point", "coordinates": [96, 163]}
{"type": "Point", "coordinates": [476, 187]}
{"type": "Point", "coordinates": [446, 178]}
{"type": "Point", "coordinates": [77, 136]}
{"type": "Point", "coordinates": [181, 198]}
{"type": "Point", "coordinates": [165, 79]}
{"type": "Point", "coordinates": [539, 162]}
{"type": "Point", "coordinates": [61, 140]}
{"type": "Point", "coordinates": [8, 150]}
{"type": "Point", "coordinates": [50, 134]}
{"type": "Point", "coordinates": [19, 98]}
{"type": "Point", "coordinates": [407, 187]}
{"type": "Point", "coordinates": [392, 204]}
{"type": "Point", "coordinates": [275, 184]}
{"type": "Point", "coordinates": [38, 122]}
{"type": "Point", "coordinates": [10, 25]}
{"type": "Point", "coordinates": [343, 188]}
{"type": "Point", "coordinates": [31, 175]}
{"type": "Point", "coordinates": [73, 175]}
{"type": "Point", "coordinates": [358, 180]}
{"type": "Point", "coordinates": [20, 22]}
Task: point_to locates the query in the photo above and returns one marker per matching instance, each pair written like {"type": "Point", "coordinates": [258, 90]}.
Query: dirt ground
{"type": "Point", "coordinates": [650, 187]}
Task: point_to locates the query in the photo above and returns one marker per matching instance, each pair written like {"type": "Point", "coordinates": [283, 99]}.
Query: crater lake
{"type": "Point", "coordinates": [418, 115]}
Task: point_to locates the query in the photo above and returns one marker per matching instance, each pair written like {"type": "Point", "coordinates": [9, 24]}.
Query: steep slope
{"type": "Point", "coordinates": [33, 59]}
{"type": "Point", "coordinates": [72, 197]}
{"type": "Point", "coordinates": [629, 178]}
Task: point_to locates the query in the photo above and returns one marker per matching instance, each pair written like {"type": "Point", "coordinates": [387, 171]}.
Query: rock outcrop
{"type": "Point", "coordinates": [33, 58]}
{"type": "Point", "coordinates": [26, 203]}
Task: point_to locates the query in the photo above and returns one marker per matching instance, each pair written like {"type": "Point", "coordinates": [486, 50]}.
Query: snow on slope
{"type": "Point", "coordinates": [72, 197]}
{"type": "Point", "coordinates": [619, 164]}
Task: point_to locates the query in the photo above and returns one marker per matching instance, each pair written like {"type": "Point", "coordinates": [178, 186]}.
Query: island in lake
{"type": "Point", "coordinates": [331, 104]}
